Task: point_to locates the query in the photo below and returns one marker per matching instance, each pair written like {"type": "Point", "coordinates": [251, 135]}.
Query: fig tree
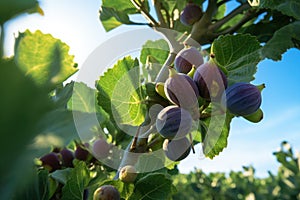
{"type": "Point", "coordinates": [190, 14]}
{"type": "Point", "coordinates": [242, 99]}
{"type": "Point", "coordinates": [51, 161]}
{"type": "Point", "coordinates": [173, 122]}
{"type": "Point", "coordinates": [128, 174]}
{"type": "Point", "coordinates": [101, 148]}
{"type": "Point", "coordinates": [186, 59]}
{"type": "Point", "coordinates": [177, 150]}
{"type": "Point", "coordinates": [210, 80]}
{"type": "Point", "coordinates": [106, 192]}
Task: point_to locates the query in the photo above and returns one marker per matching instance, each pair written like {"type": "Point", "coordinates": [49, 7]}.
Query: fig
{"type": "Point", "coordinates": [242, 99]}
{"type": "Point", "coordinates": [181, 90]}
{"type": "Point", "coordinates": [128, 174]}
{"type": "Point", "coordinates": [106, 192]}
{"type": "Point", "coordinates": [173, 122]}
{"type": "Point", "coordinates": [67, 157]}
{"type": "Point", "coordinates": [190, 14]}
{"type": "Point", "coordinates": [101, 148]}
{"type": "Point", "coordinates": [51, 161]}
{"type": "Point", "coordinates": [210, 80]}
{"type": "Point", "coordinates": [177, 150]}
{"type": "Point", "coordinates": [81, 153]}
{"type": "Point", "coordinates": [186, 59]}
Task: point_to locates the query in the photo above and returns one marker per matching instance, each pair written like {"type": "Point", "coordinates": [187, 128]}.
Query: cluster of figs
{"type": "Point", "coordinates": [191, 80]}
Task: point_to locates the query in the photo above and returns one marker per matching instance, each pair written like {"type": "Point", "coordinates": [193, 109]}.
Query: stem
{"type": "Point", "coordinates": [231, 15]}
{"type": "Point", "coordinates": [145, 13]}
{"type": "Point", "coordinates": [222, 2]}
{"type": "Point", "coordinates": [157, 7]}
{"type": "Point", "coordinates": [2, 41]}
{"type": "Point", "coordinates": [248, 16]}
{"type": "Point", "coordinates": [164, 71]}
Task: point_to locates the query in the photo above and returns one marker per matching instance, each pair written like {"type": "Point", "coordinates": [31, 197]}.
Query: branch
{"type": "Point", "coordinates": [222, 2]}
{"type": "Point", "coordinates": [157, 7]}
{"type": "Point", "coordinates": [1, 41]}
{"type": "Point", "coordinates": [248, 16]}
{"type": "Point", "coordinates": [231, 15]}
{"type": "Point", "coordinates": [145, 13]}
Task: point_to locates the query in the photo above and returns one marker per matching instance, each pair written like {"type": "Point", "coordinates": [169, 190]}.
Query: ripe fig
{"type": "Point", "coordinates": [242, 99]}
{"type": "Point", "coordinates": [186, 59]}
{"type": "Point", "coordinates": [210, 80]}
{"type": "Point", "coordinates": [177, 150]}
{"type": "Point", "coordinates": [181, 90]}
{"type": "Point", "coordinates": [51, 161]}
{"type": "Point", "coordinates": [101, 148]}
{"type": "Point", "coordinates": [190, 14]}
{"type": "Point", "coordinates": [81, 153]}
{"type": "Point", "coordinates": [173, 122]}
{"type": "Point", "coordinates": [128, 174]}
{"type": "Point", "coordinates": [106, 192]}
{"type": "Point", "coordinates": [67, 157]}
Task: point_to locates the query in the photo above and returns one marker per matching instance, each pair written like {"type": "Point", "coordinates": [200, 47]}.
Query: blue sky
{"type": "Point", "coordinates": [76, 23]}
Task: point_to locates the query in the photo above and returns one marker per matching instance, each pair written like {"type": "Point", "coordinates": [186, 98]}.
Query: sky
{"type": "Point", "coordinates": [77, 23]}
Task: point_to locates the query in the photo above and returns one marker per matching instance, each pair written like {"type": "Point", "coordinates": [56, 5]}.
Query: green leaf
{"type": "Point", "coordinates": [238, 55]}
{"type": "Point", "coordinates": [283, 39]}
{"type": "Point", "coordinates": [120, 93]}
{"type": "Point", "coordinates": [11, 8]}
{"type": "Point", "coordinates": [43, 58]}
{"type": "Point", "coordinates": [153, 186]}
{"type": "Point", "coordinates": [158, 49]}
{"type": "Point", "coordinates": [22, 104]}
{"type": "Point", "coordinates": [61, 175]}
{"type": "Point", "coordinates": [287, 7]}
{"type": "Point", "coordinates": [217, 134]}
{"type": "Point", "coordinates": [123, 5]}
{"type": "Point", "coordinates": [78, 180]}
{"type": "Point", "coordinates": [112, 18]}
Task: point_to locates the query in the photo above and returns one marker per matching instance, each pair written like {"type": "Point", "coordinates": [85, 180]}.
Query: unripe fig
{"type": "Point", "coordinates": [51, 161]}
{"type": "Point", "coordinates": [67, 157]}
{"type": "Point", "coordinates": [182, 91]}
{"type": "Point", "coordinates": [186, 59]}
{"type": "Point", "coordinates": [190, 14]}
{"type": "Point", "coordinates": [159, 88]}
{"type": "Point", "coordinates": [81, 153]}
{"type": "Point", "coordinates": [101, 148]}
{"type": "Point", "coordinates": [255, 117]}
{"type": "Point", "coordinates": [210, 80]}
{"type": "Point", "coordinates": [128, 174]}
{"type": "Point", "coordinates": [242, 99]}
{"type": "Point", "coordinates": [173, 122]}
{"type": "Point", "coordinates": [106, 192]}
{"type": "Point", "coordinates": [177, 150]}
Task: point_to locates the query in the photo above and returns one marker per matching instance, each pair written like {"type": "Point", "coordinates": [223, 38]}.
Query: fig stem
{"type": "Point", "coordinates": [191, 141]}
{"type": "Point", "coordinates": [134, 142]}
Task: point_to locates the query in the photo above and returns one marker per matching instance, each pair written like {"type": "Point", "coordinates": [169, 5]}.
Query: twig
{"type": "Point", "coordinates": [192, 145]}
{"type": "Point", "coordinates": [157, 7]}
{"type": "Point", "coordinates": [145, 13]}
{"type": "Point", "coordinates": [222, 2]}
{"type": "Point", "coordinates": [248, 16]}
{"type": "Point", "coordinates": [231, 15]}
{"type": "Point", "coordinates": [1, 41]}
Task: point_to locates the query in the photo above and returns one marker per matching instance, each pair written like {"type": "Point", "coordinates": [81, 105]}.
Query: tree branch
{"type": "Point", "coordinates": [1, 41]}
{"type": "Point", "coordinates": [248, 16]}
{"type": "Point", "coordinates": [231, 15]}
{"type": "Point", "coordinates": [222, 2]}
{"type": "Point", "coordinates": [145, 13]}
{"type": "Point", "coordinates": [157, 7]}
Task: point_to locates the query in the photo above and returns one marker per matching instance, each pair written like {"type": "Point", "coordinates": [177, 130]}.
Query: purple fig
{"type": "Point", "coordinates": [106, 192]}
{"type": "Point", "coordinates": [242, 99]}
{"type": "Point", "coordinates": [101, 149]}
{"type": "Point", "coordinates": [177, 150]}
{"type": "Point", "coordinates": [210, 80]}
{"type": "Point", "coordinates": [67, 157]}
{"type": "Point", "coordinates": [181, 90]}
{"type": "Point", "coordinates": [173, 122]}
{"type": "Point", "coordinates": [190, 14]}
{"type": "Point", "coordinates": [186, 59]}
{"type": "Point", "coordinates": [51, 161]}
{"type": "Point", "coordinates": [81, 153]}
